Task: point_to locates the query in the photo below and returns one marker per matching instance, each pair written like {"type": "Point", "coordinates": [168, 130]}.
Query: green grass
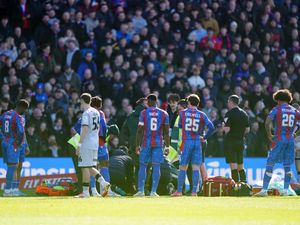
{"type": "Point", "coordinates": [150, 211]}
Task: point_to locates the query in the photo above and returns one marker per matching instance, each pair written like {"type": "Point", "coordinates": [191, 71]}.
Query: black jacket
{"type": "Point", "coordinates": [129, 128]}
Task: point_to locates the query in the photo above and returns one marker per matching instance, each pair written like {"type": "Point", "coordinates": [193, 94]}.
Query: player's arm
{"type": "Point", "coordinates": [269, 123]}
{"type": "Point", "coordinates": [27, 146]}
{"type": "Point", "coordinates": [268, 127]}
{"type": "Point", "coordinates": [138, 141]}
{"type": "Point", "coordinates": [20, 130]}
{"type": "Point", "coordinates": [83, 132]}
{"type": "Point", "coordinates": [139, 133]}
{"type": "Point", "coordinates": [166, 128]}
{"type": "Point", "coordinates": [297, 131]}
{"type": "Point", "coordinates": [166, 138]}
{"type": "Point", "coordinates": [210, 126]}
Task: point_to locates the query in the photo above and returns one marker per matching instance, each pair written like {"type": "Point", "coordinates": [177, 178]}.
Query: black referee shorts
{"type": "Point", "coordinates": [234, 150]}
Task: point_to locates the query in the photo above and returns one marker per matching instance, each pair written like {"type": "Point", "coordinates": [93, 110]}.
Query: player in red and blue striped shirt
{"type": "Point", "coordinates": [13, 131]}
{"type": "Point", "coordinates": [152, 136]}
{"type": "Point", "coordinates": [192, 122]}
{"type": "Point", "coordinates": [284, 119]}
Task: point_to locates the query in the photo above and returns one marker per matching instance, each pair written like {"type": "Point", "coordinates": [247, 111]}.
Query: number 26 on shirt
{"type": "Point", "coordinates": [288, 120]}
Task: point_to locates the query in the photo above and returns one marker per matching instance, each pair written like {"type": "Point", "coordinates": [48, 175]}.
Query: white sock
{"type": "Point", "coordinates": [7, 190]}
{"type": "Point", "coordinates": [94, 190]}
{"type": "Point", "coordinates": [101, 181]}
{"type": "Point", "coordinates": [86, 190]}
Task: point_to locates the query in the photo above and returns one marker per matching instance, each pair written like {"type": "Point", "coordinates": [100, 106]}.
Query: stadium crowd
{"type": "Point", "coordinates": [123, 50]}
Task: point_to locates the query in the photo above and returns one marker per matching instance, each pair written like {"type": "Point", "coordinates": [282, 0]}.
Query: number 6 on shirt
{"type": "Point", "coordinates": [153, 124]}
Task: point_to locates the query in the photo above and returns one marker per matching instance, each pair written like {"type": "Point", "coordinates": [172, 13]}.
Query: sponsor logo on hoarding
{"type": "Point", "coordinates": [31, 182]}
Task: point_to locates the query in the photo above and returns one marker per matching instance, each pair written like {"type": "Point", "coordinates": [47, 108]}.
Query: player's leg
{"type": "Point", "coordinates": [196, 160]}
{"type": "Point", "coordinates": [11, 167]}
{"type": "Point", "coordinates": [12, 159]}
{"type": "Point", "coordinates": [185, 158]}
{"type": "Point", "coordinates": [99, 178]}
{"type": "Point", "coordinates": [103, 169]}
{"type": "Point", "coordinates": [85, 162]}
{"type": "Point", "coordinates": [103, 159]}
{"type": "Point", "coordinates": [104, 185]}
{"type": "Point", "coordinates": [145, 156]}
{"type": "Point", "coordinates": [93, 187]}
{"type": "Point", "coordinates": [287, 178]}
{"type": "Point", "coordinates": [297, 160]}
{"type": "Point", "coordinates": [157, 159]}
{"type": "Point", "coordinates": [16, 190]}
{"type": "Point", "coordinates": [274, 153]}
{"type": "Point", "coordinates": [203, 171]}
{"type": "Point", "coordinates": [288, 158]}
{"type": "Point", "coordinates": [85, 181]}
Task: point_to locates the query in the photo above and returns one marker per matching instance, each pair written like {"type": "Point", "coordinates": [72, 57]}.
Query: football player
{"type": "Point", "coordinates": [13, 130]}
{"type": "Point", "coordinates": [284, 119]}
{"type": "Point", "coordinates": [153, 128]}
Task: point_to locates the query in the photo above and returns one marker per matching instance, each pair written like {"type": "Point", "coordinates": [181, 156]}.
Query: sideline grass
{"type": "Point", "coordinates": [150, 211]}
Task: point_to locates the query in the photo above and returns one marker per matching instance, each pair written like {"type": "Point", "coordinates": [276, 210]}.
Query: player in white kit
{"type": "Point", "coordinates": [87, 150]}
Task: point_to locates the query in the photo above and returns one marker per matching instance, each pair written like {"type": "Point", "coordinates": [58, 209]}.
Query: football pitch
{"type": "Point", "coordinates": [150, 211]}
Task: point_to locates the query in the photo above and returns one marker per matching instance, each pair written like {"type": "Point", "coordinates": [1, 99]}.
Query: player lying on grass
{"type": "Point", "coordinates": [88, 146]}
{"type": "Point", "coordinates": [192, 122]}
{"type": "Point", "coordinates": [153, 128]}
{"type": "Point", "coordinates": [13, 145]}
{"type": "Point", "coordinates": [284, 118]}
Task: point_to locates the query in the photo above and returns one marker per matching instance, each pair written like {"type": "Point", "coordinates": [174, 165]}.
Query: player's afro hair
{"type": "Point", "coordinates": [283, 95]}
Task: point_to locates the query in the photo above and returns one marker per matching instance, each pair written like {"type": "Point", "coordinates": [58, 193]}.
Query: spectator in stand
{"type": "Point", "coordinates": [70, 76]}
{"type": "Point", "coordinates": [210, 22]}
{"type": "Point", "coordinates": [87, 63]}
{"type": "Point", "coordinates": [198, 33]}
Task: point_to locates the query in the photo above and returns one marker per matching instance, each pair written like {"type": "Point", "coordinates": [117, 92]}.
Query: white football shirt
{"type": "Point", "coordinates": [91, 118]}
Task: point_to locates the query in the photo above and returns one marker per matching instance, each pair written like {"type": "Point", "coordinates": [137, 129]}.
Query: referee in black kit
{"type": "Point", "coordinates": [236, 125]}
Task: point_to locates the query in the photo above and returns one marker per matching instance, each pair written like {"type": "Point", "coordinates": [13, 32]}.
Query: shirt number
{"type": "Point", "coordinates": [6, 126]}
{"type": "Point", "coordinates": [192, 125]}
{"type": "Point", "coordinates": [288, 120]}
{"type": "Point", "coordinates": [153, 124]}
{"type": "Point", "coordinates": [96, 123]}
